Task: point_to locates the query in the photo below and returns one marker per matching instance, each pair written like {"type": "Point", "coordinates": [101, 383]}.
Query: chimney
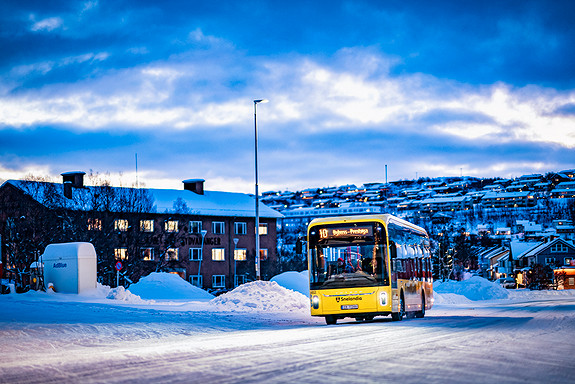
{"type": "Point", "coordinates": [68, 189]}
{"type": "Point", "coordinates": [72, 180]}
{"type": "Point", "coordinates": [194, 185]}
{"type": "Point", "coordinates": [76, 178]}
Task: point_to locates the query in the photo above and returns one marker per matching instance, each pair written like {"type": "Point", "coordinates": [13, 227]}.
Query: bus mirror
{"type": "Point", "coordinates": [299, 246]}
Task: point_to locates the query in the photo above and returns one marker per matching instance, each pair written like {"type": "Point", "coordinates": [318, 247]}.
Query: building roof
{"type": "Point", "coordinates": [542, 246]}
{"type": "Point", "coordinates": [210, 203]}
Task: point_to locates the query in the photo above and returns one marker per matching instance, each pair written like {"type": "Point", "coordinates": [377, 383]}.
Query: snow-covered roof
{"type": "Point", "coordinates": [519, 248]}
{"type": "Point", "coordinates": [541, 246]}
{"type": "Point", "coordinates": [210, 203]}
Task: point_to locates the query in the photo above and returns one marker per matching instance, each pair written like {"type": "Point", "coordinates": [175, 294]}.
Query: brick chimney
{"type": "Point", "coordinates": [72, 180]}
{"type": "Point", "coordinates": [194, 185]}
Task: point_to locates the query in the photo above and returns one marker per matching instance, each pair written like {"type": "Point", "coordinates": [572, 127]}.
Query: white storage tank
{"type": "Point", "coordinates": [71, 267]}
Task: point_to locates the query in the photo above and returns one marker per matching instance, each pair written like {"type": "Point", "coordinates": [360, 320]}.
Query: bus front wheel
{"type": "Point", "coordinates": [330, 320]}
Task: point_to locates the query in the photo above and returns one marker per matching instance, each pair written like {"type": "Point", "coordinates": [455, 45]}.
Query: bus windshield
{"type": "Point", "coordinates": [348, 266]}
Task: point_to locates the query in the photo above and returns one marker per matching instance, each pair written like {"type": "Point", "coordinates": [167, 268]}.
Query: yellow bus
{"type": "Point", "coordinates": [369, 265]}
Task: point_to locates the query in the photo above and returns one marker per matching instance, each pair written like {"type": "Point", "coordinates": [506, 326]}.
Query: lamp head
{"type": "Point", "coordinates": [263, 101]}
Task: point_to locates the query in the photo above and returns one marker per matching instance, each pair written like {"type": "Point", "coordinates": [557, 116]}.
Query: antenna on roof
{"type": "Point", "coordinates": [137, 184]}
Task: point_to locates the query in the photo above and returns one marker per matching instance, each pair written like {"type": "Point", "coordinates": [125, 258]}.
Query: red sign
{"type": "Point", "coordinates": [118, 265]}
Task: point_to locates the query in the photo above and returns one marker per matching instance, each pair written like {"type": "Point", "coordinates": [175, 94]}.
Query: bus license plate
{"type": "Point", "coordinates": [354, 306]}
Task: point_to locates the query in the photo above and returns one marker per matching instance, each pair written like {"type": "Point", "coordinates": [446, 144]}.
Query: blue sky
{"type": "Point", "coordinates": [429, 89]}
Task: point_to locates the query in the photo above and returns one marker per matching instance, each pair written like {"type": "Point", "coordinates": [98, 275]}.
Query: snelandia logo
{"type": "Point", "coordinates": [350, 298]}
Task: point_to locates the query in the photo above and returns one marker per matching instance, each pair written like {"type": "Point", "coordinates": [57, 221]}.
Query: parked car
{"type": "Point", "coordinates": [507, 282]}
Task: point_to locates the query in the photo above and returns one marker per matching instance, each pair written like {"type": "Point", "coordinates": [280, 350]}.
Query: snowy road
{"type": "Point", "coordinates": [500, 341]}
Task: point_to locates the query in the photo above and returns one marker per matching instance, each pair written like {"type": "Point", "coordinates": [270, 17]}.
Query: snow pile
{"type": "Point", "coordinates": [296, 281]}
{"type": "Point", "coordinates": [167, 286]}
{"type": "Point", "coordinates": [262, 296]}
{"type": "Point", "coordinates": [120, 293]}
{"type": "Point", "coordinates": [474, 288]}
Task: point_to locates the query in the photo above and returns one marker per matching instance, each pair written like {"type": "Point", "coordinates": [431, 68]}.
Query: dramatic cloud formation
{"type": "Point", "coordinates": [427, 89]}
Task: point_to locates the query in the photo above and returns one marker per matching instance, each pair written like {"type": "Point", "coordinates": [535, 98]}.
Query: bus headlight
{"type": "Point", "coordinates": [315, 302]}
{"type": "Point", "coordinates": [383, 298]}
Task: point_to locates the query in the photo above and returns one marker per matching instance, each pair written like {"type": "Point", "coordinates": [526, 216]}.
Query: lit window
{"type": "Point", "coordinates": [195, 226]}
{"type": "Point", "coordinates": [196, 280]}
{"type": "Point", "coordinates": [218, 281]}
{"type": "Point", "coordinates": [147, 225]}
{"type": "Point", "coordinates": [196, 254]}
{"type": "Point", "coordinates": [94, 224]}
{"type": "Point", "coordinates": [172, 254]}
{"type": "Point", "coordinates": [263, 229]}
{"type": "Point", "coordinates": [218, 227]}
{"type": "Point", "coordinates": [147, 254]}
{"type": "Point", "coordinates": [171, 226]}
{"type": "Point", "coordinates": [263, 254]}
{"type": "Point", "coordinates": [240, 254]}
{"type": "Point", "coordinates": [121, 253]}
{"type": "Point", "coordinates": [121, 225]}
{"type": "Point", "coordinates": [218, 254]}
{"type": "Point", "coordinates": [241, 228]}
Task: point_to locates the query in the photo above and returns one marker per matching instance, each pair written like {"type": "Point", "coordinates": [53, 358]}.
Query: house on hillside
{"type": "Point", "coordinates": [547, 255]}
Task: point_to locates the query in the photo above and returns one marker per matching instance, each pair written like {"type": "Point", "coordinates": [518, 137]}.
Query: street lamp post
{"type": "Point", "coordinates": [256, 102]}
{"type": "Point", "coordinates": [203, 233]}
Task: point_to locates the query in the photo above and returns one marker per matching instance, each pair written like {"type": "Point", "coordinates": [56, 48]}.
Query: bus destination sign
{"type": "Point", "coordinates": [334, 233]}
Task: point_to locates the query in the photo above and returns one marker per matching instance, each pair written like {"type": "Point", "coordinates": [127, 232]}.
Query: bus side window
{"type": "Point", "coordinates": [393, 255]}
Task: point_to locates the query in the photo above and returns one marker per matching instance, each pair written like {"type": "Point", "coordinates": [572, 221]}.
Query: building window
{"type": "Point", "coordinates": [263, 229]}
{"type": "Point", "coordinates": [121, 253]}
{"type": "Point", "coordinates": [240, 279]}
{"type": "Point", "coordinates": [147, 225]}
{"type": "Point", "coordinates": [550, 260]}
{"type": "Point", "coordinates": [559, 248]}
{"type": "Point", "coordinates": [240, 228]}
{"type": "Point", "coordinates": [195, 226]}
{"type": "Point", "coordinates": [121, 225]}
{"type": "Point", "coordinates": [240, 254]}
{"type": "Point", "coordinates": [568, 261]}
{"type": "Point", "coordinates": [171, 226]}
{"type": "Point", "coordinates": [218, 227]}
{"type": "Point", "coordinates": [172, 254]}
{"type": "Point", "coordinates": [94, 224]}
{"type": "Point", "coordinates": [263, 254]}
{"type": "Point", "coordinates": [218, 254]}
{"type": "Point", "coordinates": [218, 281]}
{"type": "Point", "coordinates": [147, 254]}
{"type": "Point", "coordinates": [196, 280]}
{"type": "Point", "coordinates": [195, 254]}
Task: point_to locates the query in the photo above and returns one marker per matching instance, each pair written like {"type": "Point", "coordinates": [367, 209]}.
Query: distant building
{"type": "Point", "coordinates": [176, 230]}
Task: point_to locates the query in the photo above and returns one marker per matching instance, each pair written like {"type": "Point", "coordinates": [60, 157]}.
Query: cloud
{"type": "Point", "coordinates": [47, 25]}
{"type": "Point", "coordinates": [423, 88]}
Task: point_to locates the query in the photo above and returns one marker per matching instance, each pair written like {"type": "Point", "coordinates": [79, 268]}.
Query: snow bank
{"type": "Point", "coordinates": [167, 286]}
{"type": "Point", "coordinates": [120, 293]}
{"type": "Point", "coordinates": [474, 288]}
{"type": "Point", "coordinates": [262, 296]}
{"type": "Point", "coordinates": [296, 281]}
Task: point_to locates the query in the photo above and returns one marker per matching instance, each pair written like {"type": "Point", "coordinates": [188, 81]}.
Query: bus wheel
{"type": "Point", "coordinates": [421, 313]}
{"type": "Point", "coordinates": [399, 315]}
{"type": "Point", "coordinates": [330, 320]}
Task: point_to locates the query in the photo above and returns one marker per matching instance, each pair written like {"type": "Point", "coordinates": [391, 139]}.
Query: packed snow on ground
{"type": "Point", "coordinates": [163, 329]}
